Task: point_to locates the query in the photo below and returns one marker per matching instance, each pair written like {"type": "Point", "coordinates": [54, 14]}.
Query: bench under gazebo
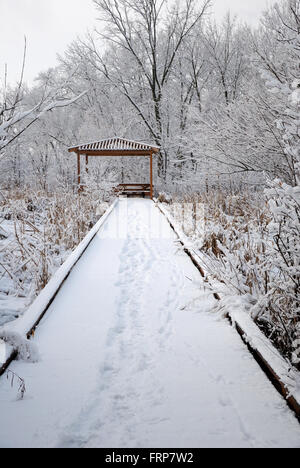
{"type": "Point", "coordinates": [118, 147]}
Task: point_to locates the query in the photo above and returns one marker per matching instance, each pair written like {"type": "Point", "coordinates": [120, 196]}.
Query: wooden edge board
{"type": "Point", "coordinates": [262, 362]}
{"type": "Point", "coordinates": [186, 248]}
{"type": "Point", "coordinates": [269, 371]}
{"type": "Point", "coordinates": [13, 354]}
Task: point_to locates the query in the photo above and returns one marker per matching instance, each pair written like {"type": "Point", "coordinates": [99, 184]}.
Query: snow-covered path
{"type": "Point", "coordinates": [133, 355]}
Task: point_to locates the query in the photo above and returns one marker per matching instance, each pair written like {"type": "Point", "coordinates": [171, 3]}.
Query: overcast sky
{"type": "Point", "coordinates": [50, 25]}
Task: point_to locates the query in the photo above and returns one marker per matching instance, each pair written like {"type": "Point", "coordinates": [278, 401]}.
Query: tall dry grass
{"type": "Point", "coordinates": [38, 231]}
{"type": "Point", "coordinates": [234, 233]}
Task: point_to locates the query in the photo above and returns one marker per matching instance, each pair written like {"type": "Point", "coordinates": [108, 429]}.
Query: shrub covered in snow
{"type": "Point", "coordinates": [283, 261]}
{"type": "Point", "coordinates": [38, 232]}
{"type": "Point", "coordinates": [250, 247]}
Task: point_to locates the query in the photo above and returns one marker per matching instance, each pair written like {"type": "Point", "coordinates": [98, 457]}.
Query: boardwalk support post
{"type": "Point", "coordinates": [78, 173]}
{"type": "Point", "coordinates": [151, 176]}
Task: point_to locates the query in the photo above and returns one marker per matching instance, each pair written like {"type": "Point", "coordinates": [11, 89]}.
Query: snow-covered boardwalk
{"type": "Point", "coordinates": [132, 354]}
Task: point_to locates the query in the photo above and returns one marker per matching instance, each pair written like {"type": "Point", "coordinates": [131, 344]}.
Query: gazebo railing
{"type": "Point", "coordinates": [133, 189]}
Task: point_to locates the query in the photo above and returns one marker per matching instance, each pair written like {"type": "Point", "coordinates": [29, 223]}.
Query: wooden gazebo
{"type": "Point", "coordinates": [117, 147]}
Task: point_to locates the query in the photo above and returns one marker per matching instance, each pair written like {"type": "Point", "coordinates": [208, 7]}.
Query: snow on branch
{"type": "Point", "coordinates": [11, 128]}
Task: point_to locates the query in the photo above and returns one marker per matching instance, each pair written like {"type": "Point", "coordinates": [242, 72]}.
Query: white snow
{"type": "Point", "coordinates": [235, 306]}
{"type": "Point", "coordinates": [287, 374]}
{"type": "Point", "coordinates": [26, 322]}
{"type": "Point", "coordinates": [133, 354]}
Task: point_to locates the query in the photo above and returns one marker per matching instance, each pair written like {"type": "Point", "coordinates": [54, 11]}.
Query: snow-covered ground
{"type": "Point", "coordinates": [133, 354]}
{"type": "Point", "coordinates": [11, 306]}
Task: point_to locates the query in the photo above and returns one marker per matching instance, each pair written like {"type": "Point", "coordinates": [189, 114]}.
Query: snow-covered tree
{"type": "Point", "coordinates": [21, 108]}
{"type": "Point", "coordinates": [144, 40]}
{"type": "Point", "coordinates": [281, 71]}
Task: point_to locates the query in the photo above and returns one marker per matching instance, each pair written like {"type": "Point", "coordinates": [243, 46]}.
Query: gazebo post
{"type": "Point", "coordinates": [151, 176]}
{"type": "Point", "coordinates": [78, 173]}
{"type": "Point", "coordinates": [86, 164]}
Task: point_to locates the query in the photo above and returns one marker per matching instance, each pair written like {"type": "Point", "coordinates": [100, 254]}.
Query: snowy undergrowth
{"type": "Point", "coordinates": [26, 350]}
{"type": "Point", "coordinates": [249, 244]}
{"type": "Point", "coordinates": [37, 233]}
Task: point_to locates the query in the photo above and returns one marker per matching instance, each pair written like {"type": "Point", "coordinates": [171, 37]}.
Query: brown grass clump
{"type": "Point", "coordinates": [39, 231]}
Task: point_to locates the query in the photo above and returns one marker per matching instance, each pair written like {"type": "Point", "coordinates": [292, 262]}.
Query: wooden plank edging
{"type": "Point", "coordinates": [26, 325]}
{"type": "Point", "coordinates": [182, 238]}
{"type": "Point", "coordinates": [272, 374]}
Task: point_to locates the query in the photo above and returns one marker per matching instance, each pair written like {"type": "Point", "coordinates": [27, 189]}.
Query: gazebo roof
{"type": "Point", "coordinates": [113, 146]}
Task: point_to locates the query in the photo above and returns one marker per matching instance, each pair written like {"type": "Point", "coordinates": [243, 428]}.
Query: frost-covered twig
{"type": "Point", "coordinates": [12, 376]}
